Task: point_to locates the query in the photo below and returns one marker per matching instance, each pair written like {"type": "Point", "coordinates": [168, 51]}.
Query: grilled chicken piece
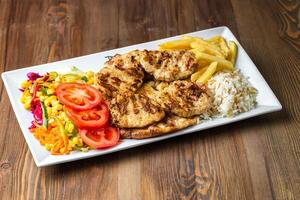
{"type": "Point", "coordinates": [134, 111]}
{"type": "Point", "coordinates": [183, 98]}
{"type": "Point", "coordinates": [152, 89]}
{"type": "Point", "coordinates": [168, 65]}
{"type": "Point", "coordinates": [167, 125]}
{"type": "Point", "coordinates": [121, 74]}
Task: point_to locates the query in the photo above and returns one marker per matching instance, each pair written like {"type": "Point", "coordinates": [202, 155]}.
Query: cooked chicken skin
{"type": "Point", "coordinates": [134, 111]}
{"type": "Point", "coordinates": [167, 125]}
{"type": "Point", "coordinates": [121, 74]}
{"type": "Point", "coordinates": [168, 65]}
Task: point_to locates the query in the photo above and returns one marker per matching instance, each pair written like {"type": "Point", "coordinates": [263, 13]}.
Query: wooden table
{"type": "Point", "coordinates": [257, 158]}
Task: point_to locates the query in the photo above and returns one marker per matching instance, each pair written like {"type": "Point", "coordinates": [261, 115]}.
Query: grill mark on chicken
{"type": "Point", "coordinates": [168, 65]}
{"type": "Point", "coordinates": [116, 81]}
{"type": "Point", "coordinates": [184, 99]}
{"type": "Point", "coordinates": [134, 111]}
{"type": "Point", "coordinates": [120, 74]}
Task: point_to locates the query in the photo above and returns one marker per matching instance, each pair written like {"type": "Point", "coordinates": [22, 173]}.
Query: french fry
{"type": "Point", "coordinates": [206, 49]}
{"type": "Point", "coordinates": [224, 46]}
{"type": "Point", "coordinates": [233, 52]}
{"type": "Point", "coordinates": [208, 73]}
{"type": "Point", "coordinates": [177, 45]}
{"type": "Point", "coordinates": [197, 74]}
{"type": "Point", "coordinates": [187, 37]}
{"type": "Point", "coordinates": [214, 40]}
{"type": "Point", "coordinates": [215, 48]}
{"type": "Point", "coordinates": [206, 43]}
{"type": "Point", "coordinates": [203, 57]}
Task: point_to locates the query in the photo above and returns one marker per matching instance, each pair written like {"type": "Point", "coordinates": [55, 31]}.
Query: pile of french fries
{"type": "Point", "coordinates": [213, 55]}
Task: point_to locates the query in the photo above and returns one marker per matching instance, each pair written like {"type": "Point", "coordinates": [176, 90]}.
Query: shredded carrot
{"type": "Point", "coordinates": [57, 141]}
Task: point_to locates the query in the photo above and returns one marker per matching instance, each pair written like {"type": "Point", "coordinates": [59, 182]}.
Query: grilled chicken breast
{"type": "Point", "coordinates": [153, 89]}
{"type": "Point", "coordinates": [168, 65]}
{"type": "Point", "coordinates": [134, 111]}
{"type": "Point", "coordinates": [181, 97]}
{"type": "Point", "coordinates": [184, 98]}
{"type": "Point", "coordinates": [121, 74]}
{"type": "Point", "coordinates": [167, 125]}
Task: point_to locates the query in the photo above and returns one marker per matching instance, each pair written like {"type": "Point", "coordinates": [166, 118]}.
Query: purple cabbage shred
{"type": "Point", "coordinates": [33, 76]}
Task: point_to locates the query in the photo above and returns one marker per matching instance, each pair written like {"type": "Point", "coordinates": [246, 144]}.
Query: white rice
{"type": "Point", "coordinates": [230, 93]}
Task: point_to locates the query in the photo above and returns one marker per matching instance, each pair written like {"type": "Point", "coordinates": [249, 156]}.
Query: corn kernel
{"type": "Point", "coordinates": [90, 74]}
{"type": "Point", "coordinates": [51, 121]}
{"type": "Point", "coordinates": [75, 140]}
{"type": "Point", "coordinates": [53, 75]}
{"type": "Point", "coordinates": [58, 107]}
{"type": "Point", "coordinates": [91, 81]}
{"type": "Point", "coordinates": [62, 150]}
{"type": "Point", "coordinates": [56, 84]}
{"type": "Point", "coordinates": [24, 84]}
{"type": "Point", "coordinates": [42, 98]}
{"type": "Point", "coordinates": [63, 116]}
{"type": "Point", "coordinates": [28, 99]}
{"type": "Point", "coordinates": [80, 142]}
{"type": "Point", "coordinates": [49, 111]}
{"type": "Point", "coordinates": [47, 102]}
{"type": "Point", "coordinates": [38, 94]}
{"type": "Point", "coordinates": [27, 106]}
{"type": "Point", "coordinates": [54, 103]}
{"type": "Point", "coordinates": [69, 127]}
{"type": "Point", "coordinates": [71, 143]}
{"type": "Point", "coordinates": [53, 98]}
{"type": "Point", "coordinates": [50, 91]}
{"type": "Point", "coordinates": [22, 99]}
{"type": "Point", "coordinates": [48, 146]}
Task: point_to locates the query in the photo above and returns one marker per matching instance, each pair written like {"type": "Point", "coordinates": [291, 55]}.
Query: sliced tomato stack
{"type": "Point", "coordinates": [85, 106]}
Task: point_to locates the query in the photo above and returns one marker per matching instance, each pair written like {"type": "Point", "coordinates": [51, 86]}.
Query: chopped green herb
{"type": "Point", "coordinates": [74, 69]}
{"type": "Point", "coordinates": [44, 91]}
{"type": "Point", "coordinates": [45, 115]}
{"type": "Point", "coordinates": [85, 79]}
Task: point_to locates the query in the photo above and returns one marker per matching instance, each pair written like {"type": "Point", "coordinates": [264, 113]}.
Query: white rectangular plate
{"type": "Point", "coordinates": [267, 101]}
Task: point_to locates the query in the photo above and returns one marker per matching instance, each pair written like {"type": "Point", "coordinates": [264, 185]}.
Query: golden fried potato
{"type": "Point", "coordinates": [214, 40]}
{"type": "Point", "coordinates": [224, 46]}
{"type": "Point", "coordinates": [203, 57]}
{"type": "Point", "coordinates": [197, 74]}
{"type": "Point", "coordinates": [205, 43]}
{"type": "Point", "coordinates": [183, 44]}
{"type": "Point", "coordinates": [212, 68]}
{"type": "Point", "coordinates": [187, 37]}
{"type": "Point", "coordinates": [213, 50]}
{"type": "Point", "coordinates": [207, 49]}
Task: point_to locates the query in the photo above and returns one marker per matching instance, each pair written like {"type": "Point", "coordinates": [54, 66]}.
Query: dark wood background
{"type": "Point", "coordinates": [254, 159]}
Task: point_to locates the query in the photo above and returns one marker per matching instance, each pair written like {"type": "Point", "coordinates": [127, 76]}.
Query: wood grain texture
{"type": "Point", "coordinates": [254, 159]}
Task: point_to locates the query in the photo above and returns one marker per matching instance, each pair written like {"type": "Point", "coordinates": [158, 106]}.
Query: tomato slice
{"type": "Point", "coordinates": [100, 138]}
{"type": "Point", "coordinates": [78, 96]}
{"type": "Point", "coordinates": [96, 117]}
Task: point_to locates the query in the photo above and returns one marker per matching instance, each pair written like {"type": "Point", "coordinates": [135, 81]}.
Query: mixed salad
{"type": "Point", "coordinates": [69, 113]}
